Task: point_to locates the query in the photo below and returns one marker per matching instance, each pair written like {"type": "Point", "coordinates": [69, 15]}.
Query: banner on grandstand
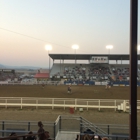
{"type": "Point", "coordinates": [99, 59]}
{"type": "Point", "coordinates": [104, 83]}
{"type": "Point", "coordinates": [3, 82]}
{"type": "Point", "coordinates": [115, 85]}
{"type": "Point", "coordinates": [98, 83]}
{"type": "Point", "coordinates": [101, 83]}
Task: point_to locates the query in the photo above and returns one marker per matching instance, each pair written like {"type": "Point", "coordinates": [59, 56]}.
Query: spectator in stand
{"type": "Point", "coordinates": [31, 137]}
{"type": "Point", "coordinates": [40, 130]}
{"type": "Point", "coordinates": [88, 131]}
{"type": "Point", "coordinates": [44, 134]}
{"type": "Point", "coordinates": [104, 138]}
{"type": "Point", "coordinates": [13, 134]}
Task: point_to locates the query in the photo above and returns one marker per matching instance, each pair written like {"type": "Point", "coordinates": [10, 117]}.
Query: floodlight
{"type": "Point", "coordinates": [75, 47]}
{"type": "Point", "coordinates": [109, 47]}
{"type": "Point", "coordinates": [48, 47]}
{"type": "Point", "coordinates": [139, 47]}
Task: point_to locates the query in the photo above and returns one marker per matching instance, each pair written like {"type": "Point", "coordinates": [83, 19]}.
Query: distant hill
{"type": "Point", "coordinates": [19, 67]}
{"type": "Point", "coordinates": [2, 66]}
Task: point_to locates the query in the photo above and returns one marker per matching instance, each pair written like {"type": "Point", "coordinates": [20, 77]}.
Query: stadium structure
{"type": "Point", "coordinates": [98, 70]}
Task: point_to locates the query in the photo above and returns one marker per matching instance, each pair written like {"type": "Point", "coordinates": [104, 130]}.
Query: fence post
{"type": "Point", "coordinates": [99, 106]}
{"type": "Point", "coordinates": [21, 103]}
{"type": "Point", "coordinates": [28, 126]}
{"type": "Point", "coordinates": [124, 106]}
{"type": "Point", "coordinates": [54, 131]}
{"type": "Point", "coordinates": [3, 128]}
{"type": "Point", "coordinates": [64, 104]}
{"type": "Point", "coordinates": [52, 104]}
{"type": "Point", "coordinates": [6, 103]}
{"type": "Point", "coordinates": [75, 103]}
{"type": "Point", "coordinates": [36, 104]}
{"type": "Point", "coordinates": [115, 104]}
{"type": "Point", "coordinates": [108, 129]}
{"type": "Point", "coordinates": [87, 105]}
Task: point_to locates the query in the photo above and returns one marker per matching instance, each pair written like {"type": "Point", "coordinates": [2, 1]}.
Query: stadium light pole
{"type": "Point", "coordinates": [138, 52]}
{"type": "Point", "coordinates": [109, 47]}
{"type": "Point", "coordinates": [75, 47]}
{"type": "Point", "coordinates": [48, 48]}
{"type": "Point", "coordinates": [133, 69]}
{"type": "Point", "coordinates": [138, 49]}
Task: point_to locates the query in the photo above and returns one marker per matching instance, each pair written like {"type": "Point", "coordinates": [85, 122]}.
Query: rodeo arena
{"type": "Point", "coordinates": [97, 75]}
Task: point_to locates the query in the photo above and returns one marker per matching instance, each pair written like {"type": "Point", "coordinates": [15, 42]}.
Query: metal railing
{"type": "Point", "coordinates": [68, 124]}
{"type": "Point", "coordinates": [24, 137]}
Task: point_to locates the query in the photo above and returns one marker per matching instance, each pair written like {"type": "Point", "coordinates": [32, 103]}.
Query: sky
{"type": "Point", "coordinates": [26, 26]}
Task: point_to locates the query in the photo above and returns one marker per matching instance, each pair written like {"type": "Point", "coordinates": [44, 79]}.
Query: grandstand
{"type": "Point", "coordinates": [98, 69]}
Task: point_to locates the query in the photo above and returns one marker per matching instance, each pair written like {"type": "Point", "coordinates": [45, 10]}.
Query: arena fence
{"type": "Point", "coordinates": [32, 83]}
{"type": "Point", "coordinates": [66, 124]}
{"type": "Point", "coordinates": [73, 104]}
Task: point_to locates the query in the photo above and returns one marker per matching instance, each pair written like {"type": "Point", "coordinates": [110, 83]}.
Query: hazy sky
{"type": "Point", "coordinates": [92, 24]}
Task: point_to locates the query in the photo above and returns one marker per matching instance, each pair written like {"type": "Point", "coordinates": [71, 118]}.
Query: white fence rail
{"type": "Point", "coordinates": [66, 103]}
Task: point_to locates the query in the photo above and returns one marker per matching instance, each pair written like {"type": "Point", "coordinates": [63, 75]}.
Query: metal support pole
{"type": "Point", "coordinates": [96, 129]}
{"type": "Point", "coordinates": [49, 62]}
{"type": "Point", "coordinates": [133, 69]}
{"type": "Point", "coordinates": [108, 129]}
{"type": "Point", "coordinates": [3, 128]}
{"type": "Point", "coordinates": [60, 123]}
{"type": "Point", "coordinates": [75, 56]}
{"type": "Point", "coordinates": [81, 125]}
{"type": "Point", "coordinates": [60, 65]}
{"type": "Point", "coordinates": [54, 131]}
{"type": "Point", "coordinates": [28, 126]}
{"type": "Point", "coordinates": [108, 55]}
{"type": "Point", "coordinates": [49, 65]}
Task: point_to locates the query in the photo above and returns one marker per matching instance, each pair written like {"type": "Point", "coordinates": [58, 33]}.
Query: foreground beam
{"type": "Point", "coordinates": [133, 68]}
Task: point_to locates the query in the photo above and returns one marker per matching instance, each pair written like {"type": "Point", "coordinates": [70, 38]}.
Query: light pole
{"type": "Point", "coordinates": [48, 48]}
{"type": "Point", "coordinates": [138, 49]}
{"type": "Point", "coordinates": [138, 52]}
{"type": "Point", "coordinates": [75, 47]}
{"type": "Point", "coordinates": [109, 47]}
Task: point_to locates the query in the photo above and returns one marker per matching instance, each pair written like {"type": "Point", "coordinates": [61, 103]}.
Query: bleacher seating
{"type": "Point", "coordinates": [8, 76]}
{"type": "Point", "coordinates": [81, 73]}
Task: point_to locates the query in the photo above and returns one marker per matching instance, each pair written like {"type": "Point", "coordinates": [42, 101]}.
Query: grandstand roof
{"type": "Point", "coordinates": [88, 56]}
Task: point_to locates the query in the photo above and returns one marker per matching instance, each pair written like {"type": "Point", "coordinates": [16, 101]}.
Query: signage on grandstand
{"type": "Point", "coordinates": [99, 59]}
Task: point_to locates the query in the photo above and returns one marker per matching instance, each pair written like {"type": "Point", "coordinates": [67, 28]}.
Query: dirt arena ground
{"type": "Point", "coordinates": [86, 92]}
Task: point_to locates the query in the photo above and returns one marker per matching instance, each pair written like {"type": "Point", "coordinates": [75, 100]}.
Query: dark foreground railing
{"type": "Point", "coordinates": [24, 137]}
{"type": "Point", "coordinates": [64, 124]}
